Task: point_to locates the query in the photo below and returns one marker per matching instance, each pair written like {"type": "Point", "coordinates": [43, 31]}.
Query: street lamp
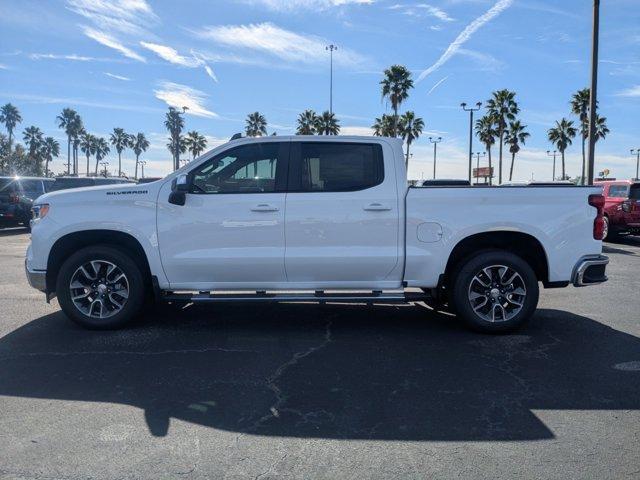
{"type": "Point", "coordinates": [331, 48]}
{"type": "Point", "coordinates": [636, 152]}
{"type": "Point", "coordinates": [104, 168]}
{"type": "Point", "coordinates": [470, 110]}
{"type": "Point", "coordinates": [553, 154]}
{"type": "Point", "coordinates": [142, 164]}
{"type": "Point", "coordinates": [478, 165]}
{"type": "Point", "coordinates": [593, 102]}
{"type": "Point", "coordinates": [435, 144]}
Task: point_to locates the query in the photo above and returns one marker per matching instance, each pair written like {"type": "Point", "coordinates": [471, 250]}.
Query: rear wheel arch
{"type": "Point", "coordinates": [68, 244]}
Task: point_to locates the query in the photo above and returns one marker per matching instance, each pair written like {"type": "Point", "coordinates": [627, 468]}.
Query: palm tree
{"type": "Point", "coordinates": [580, 107]}
{"type": "Point", "coordinates": [67, 121]}
{"type": "Point", "coordinates": [256, 125]}
{"type": "Point", "coordinates": [32, 137]}
{"type": "Point", "coordinates": [486, 132]}
{"type": "Point", "coordinates": [139, 144]}
{"type": "Point", "coordinates": [101, 150]}
{"type": "Point", "coordinates": [503, 108]}
{"type": "Point", "coordinates": [561, 136]}
{"type": "Point", "coordinates": [77, 131]}
{"type": "Point", "coordinates": [307, 123]}
{"type": "Point", "coordinates": [119, 139]}
{"type": "Point", "coordinates": [174, 123]}
{"type": "Point", "coordinates": [195, 143]}
{"type": "Point", "coordinates": [410, 129]}
{"type": "Point", "coordinates": [395, 86]}
{"type": "Point", "coordinates": [49, 148]}
{"type": "Point", "coordinates": [88, 146]}
{"type": "Point", "coordinates": [515, 136]}
{"type": "Point", "coordinates": [327, 124]}
{"type": "Point", "coordinates": [10, 117]}
{"type": "Point", "coordinates": [182, 146]}
{"type": "Point", "coordinates": [383, 126]}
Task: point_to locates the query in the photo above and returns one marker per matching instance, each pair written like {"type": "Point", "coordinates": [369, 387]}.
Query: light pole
{"type": "Point", "coordinates": [142, 164]}
{"type": "Point", "coordinates": [553, 154]}
{"type": "Point", "coordinates": [636, 152]}
{"type": "Point", "coordinates": [470, 110]}
{"type": "Point", "coordinates": [478, 164]}
{"type": "Point", "coordinates": [331, 49]}
{"type": "Point", "coordinates": [104, 168]}
{"type": "Point", "coordinates": [435, 153]}
{"type": "Point", "coordinates": [594, 93]}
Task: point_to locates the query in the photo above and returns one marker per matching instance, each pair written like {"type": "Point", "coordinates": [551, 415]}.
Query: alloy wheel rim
{"type": "Point", "coordinates": [99, 289]}
{"type": "Point", "coordinates": [497, 293]}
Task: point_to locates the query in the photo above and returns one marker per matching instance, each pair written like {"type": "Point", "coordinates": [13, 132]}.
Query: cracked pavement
{"type": "Point", "coordinates": [322, 391]}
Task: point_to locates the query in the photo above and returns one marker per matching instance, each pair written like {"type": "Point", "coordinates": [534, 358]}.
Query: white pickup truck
{"type": "Point", "coordinates": [306, 218]}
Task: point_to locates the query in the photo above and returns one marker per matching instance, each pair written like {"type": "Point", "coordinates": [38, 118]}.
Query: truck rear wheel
{"type": "Point", "coordinates": [100, 288]}
{"type": "Point", "coordinates": [495, 291]}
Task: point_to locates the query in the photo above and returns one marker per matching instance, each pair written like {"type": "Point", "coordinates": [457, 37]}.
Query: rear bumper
{"type": "Point", "coordinates": [590, 271]}
{"type": "Point", "coordinates": [37, 278]}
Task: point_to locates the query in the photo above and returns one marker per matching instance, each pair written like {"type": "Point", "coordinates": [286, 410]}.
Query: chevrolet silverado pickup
{"type": "Point", "coordinates": [301, 218]}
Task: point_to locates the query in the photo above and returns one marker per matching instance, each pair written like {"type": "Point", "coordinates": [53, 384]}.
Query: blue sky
{"type": "Point", "coordinates": [121, 62]}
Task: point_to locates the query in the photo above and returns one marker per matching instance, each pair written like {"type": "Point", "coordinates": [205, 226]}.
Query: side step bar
{"type": "Point", "coordinates": [318, 296]}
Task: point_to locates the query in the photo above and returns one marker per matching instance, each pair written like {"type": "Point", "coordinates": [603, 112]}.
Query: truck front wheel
{"type": "Point", "coordinates": [495, 291]}
{"type": "Point", "coordinates": [100, 287]}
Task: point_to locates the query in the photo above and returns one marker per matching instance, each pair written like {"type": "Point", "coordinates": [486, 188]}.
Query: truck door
{"type": "Point", "coordinates": [342, 219]}
{"type": "Point", "coordinates": [230, 232]}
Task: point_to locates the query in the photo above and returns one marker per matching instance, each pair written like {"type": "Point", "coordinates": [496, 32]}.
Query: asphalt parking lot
{"type": "Point", "coordinates": [322, 391]}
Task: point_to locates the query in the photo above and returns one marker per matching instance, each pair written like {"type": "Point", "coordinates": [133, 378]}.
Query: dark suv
{"type": "Point", "coordinates": [16, 198]}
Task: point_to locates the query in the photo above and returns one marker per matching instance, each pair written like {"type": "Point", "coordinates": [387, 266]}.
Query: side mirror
{"type": "Point", "coordinates": [179, 189]}
{"type": "Point", "coordinates": [626, 206]}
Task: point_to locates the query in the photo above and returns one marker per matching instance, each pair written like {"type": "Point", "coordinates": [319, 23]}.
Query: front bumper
{"type": "Point", "coordinates": [37, 278]}
{"type": "Point", "coordinates": [590, 271]}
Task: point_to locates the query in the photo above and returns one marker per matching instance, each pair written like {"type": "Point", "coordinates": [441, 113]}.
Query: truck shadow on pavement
{"type": "Point", "coordinates": [330, 371]}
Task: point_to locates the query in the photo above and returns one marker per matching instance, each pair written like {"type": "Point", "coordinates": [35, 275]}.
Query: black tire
{"type": "Point", "coordinates": [463, 283]}
{"type": "Point", "coordinates": [136, 293]}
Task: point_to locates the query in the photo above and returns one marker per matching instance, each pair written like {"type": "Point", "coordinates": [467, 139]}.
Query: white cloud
{"type": "Point", "coordinates": [43, 99]}
{"type": "Point", "coordinates": [176, 95]}
{"type": "Point", "coordinates": [355, 130]}
{"type": "Point", "coordinates": [109, 41]}
{"type": "Point", "coordinates": [267, 38]}
{"type": "Point", "coordinates": [171, 55]}
{"type": "Point", "coordinates": [126, 16]}
{"type": "Point", "coordinates": [3, 67]}
{"type": "Point", "coordinates": [465, 35]}
{"type": "Point", "coordinates": [630, 92]}
{"type": "Point", "coordinates": [422, 9]}
{"type": "Point", "coordinates": [288, 5]}
{"type": "Point", "coordinates": [437, 84]}
{"type": "Point", "coordinates": [117, 77]}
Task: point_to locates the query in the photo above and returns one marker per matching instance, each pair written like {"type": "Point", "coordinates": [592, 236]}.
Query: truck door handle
{"type": "Point", "coordinates": [377, 207]}
{"type": "Point", "coordinates": [264, 207]}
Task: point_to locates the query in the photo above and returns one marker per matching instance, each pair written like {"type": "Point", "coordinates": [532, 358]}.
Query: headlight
{"type": "Point", "coordinates": [40, 211]}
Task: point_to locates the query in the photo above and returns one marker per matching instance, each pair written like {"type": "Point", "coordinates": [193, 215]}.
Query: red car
{"type": "Point", "coordinates": [621, 208]}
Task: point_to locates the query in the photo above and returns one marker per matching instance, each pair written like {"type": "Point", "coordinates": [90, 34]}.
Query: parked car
{"type": "Point", "coordinates": [64, 183]}
{"type": "Point", "coordinates": [621, 208]}
{"type": "Point", "coordinates": [16, 198]}
{"type": "Point", "coordinates": [312, 218]}
{"type": "Point", "coordinates": [442, 182]}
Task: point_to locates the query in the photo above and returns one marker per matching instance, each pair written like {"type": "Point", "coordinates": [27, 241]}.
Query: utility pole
{"type": "Point", "coordinates": [104, 168]}
{"type": "Point", "coordinates": [553, 154]}
{"type": "Point", "coordinates": [636, 152]}
{"type": "Point", "coordinates": [331, 49]}
{"type": "Point", "coordinates": [594, 93]}
{"type": "Point", "coordinates": [470, 110]}
{"type": "Point", "coordinates": [435, 152]}
{"type": "Point", "coordinates": [142, 164]}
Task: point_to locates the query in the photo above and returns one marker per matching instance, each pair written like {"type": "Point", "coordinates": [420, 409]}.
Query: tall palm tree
{"type": "Point", "coordinates": [395, 87]}
{"type": "Point", "coordinates": [67, 121]}
{"type": "Point", "coordinates": [33, 138]}
{"type": "Point", "coordinates": [327, 124]}
{"type": "Point", "coordinates": [101, 150]}
{"type": "Point", "coordinates": [503, 108]}
{"type": "Point", "coordinates": [120, 140]}
{"type": "Point", "coordinates": [307, 123]}
{"type": "Point", "coordinates": [410, 129]}
{"type": "Point", "coordinates": [561, 136]}
{"type": "Point", "coordinates": [515, 136]}
{"type": "Point", "coordinates": [174, 122]}
{"type": "Point", "coordinates": [196, 143]}
{"type": "Point", "coordinates": [88, 146]}
{"type": "Point", "coordinates": [256, 125]}
{"type": "Point", "coordinates": [77, 131]}
{"type": "Point", "coordinates": [383, 126]}
{"type": "Point", "coordinates": [139, 144]}
{"type": "Point", "coordinates": [50, 148]}
{"type": "Point", "coordinates": [486, 132]}
{"type": "Point", "coordinates": [10, 117]}
{"type": "Point", "coordinates": [182, 146]}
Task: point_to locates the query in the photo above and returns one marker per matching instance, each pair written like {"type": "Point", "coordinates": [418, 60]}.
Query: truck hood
{"type": "Point", "coordinates": [106, 193]}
